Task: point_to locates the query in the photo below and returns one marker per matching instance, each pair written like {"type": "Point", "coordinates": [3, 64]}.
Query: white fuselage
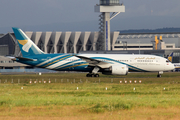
{"type": "Point", "coordinates": [147, 63]}
{"type": "Point", "coordinates": [69, 62]}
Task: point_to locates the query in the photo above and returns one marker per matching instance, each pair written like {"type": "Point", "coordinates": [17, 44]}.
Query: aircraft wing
{"type": "Point", "coordinates": [94, 62]}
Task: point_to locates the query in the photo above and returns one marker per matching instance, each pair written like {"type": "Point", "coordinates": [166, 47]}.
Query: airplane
{"type": "Point", "coordinates": [176, 65]}
{"type": "Point", "coordinates": [170, 57]}
{"type": "Point", "coordinates": [108, 64]}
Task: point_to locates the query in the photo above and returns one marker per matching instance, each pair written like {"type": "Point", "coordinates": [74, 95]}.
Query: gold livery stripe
{"type": "Point", "coordinates": [56, 61]}
{"type": "Point", "coordinates": [74, 66]}
{"type": "Point", "coordinates": [22, 42]}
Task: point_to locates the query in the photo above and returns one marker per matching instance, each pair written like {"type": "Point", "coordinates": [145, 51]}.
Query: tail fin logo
{"type": "Point", "coordinates": [22, 42]}
{"type": "Point", "coordinates": [26, 44]}
{"type": "Point", "coordinates": [170, 58]}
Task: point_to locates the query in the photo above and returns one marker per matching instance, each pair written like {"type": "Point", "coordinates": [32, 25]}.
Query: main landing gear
{"type": "Point", "coordinates": [92, 75]}
{"type": "Point", "coordinates": [94, 72]}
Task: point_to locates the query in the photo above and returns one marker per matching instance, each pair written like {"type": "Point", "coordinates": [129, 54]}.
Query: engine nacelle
{"type": "Point", "coordinates": [117, 69]}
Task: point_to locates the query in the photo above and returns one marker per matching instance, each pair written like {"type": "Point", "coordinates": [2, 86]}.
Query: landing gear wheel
{"type": "Point", "coordinates": [159, 76]}
{"type": "Point", "coordinates": [92, 75]}
{"type": "Point", "coordinates": [96, 75]}
{"type": "Point", "coordinates": [89, 75]}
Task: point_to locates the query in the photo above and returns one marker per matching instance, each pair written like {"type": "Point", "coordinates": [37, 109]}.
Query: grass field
{"type": "Point", "coordinates": [96, 98]}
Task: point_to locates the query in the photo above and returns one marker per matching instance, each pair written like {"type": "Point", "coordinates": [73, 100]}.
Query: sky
{"type": "Point", "coordinates": [79, 15]}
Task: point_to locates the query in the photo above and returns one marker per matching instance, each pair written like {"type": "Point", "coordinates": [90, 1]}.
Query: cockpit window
{"type": "Point", "coordinates": [167, 60]}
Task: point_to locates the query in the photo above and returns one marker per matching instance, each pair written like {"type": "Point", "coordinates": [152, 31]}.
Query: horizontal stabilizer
{"type": "Point", "coordinates": [24, 59]}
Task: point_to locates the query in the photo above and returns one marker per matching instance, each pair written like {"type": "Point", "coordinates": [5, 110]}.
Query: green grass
{"type": "Point", "coordinates": [61, 98]}
{"type": "Point", "coordinates": [80, 77]}
{"type": "Point", "coordinates": [91, 93]}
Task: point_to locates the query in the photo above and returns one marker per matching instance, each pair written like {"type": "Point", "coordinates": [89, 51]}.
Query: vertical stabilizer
{"type": "Point", "coordinates": [170, 57]}
{"type": "Point", "coordinates": [27, 47]}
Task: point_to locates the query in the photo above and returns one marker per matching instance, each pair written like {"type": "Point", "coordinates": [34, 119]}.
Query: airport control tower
{"type": "Point", "coordinates": [106, 7]}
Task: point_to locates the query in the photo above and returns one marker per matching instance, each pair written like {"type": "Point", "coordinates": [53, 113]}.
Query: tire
{"type": "Point", "coordinates": [88, 75]}
{"type": "Point", "coordinates": [96, 75]}
{"type": "Point", "coordinates": [159, 76]}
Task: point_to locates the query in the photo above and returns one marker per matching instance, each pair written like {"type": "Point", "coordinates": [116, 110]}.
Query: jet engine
{"type": "Point", "coordinates": [116, 69]}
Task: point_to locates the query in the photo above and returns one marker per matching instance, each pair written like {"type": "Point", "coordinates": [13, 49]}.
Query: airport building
{"type": "Point", "coordinates": [148, 41]}
{"type": "Point", "coordinates": [55, 42]}
{"type": "Point", "coordinates": [75, 42]}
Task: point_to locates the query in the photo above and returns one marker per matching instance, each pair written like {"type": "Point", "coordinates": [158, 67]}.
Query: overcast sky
{"type": "Point", "coordinates": [79, 15]}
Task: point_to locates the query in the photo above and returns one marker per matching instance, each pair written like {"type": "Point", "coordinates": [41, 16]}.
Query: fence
{"type": "Point", "coordinates": [36, 81]}
{"type": "Point", "coordinates": [27, 70]}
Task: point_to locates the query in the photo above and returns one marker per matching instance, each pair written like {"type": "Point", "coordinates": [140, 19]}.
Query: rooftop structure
{"type": "Point", "coordinates": [54, 42]}
{"type": "Point", "coordinates": [106, 7]}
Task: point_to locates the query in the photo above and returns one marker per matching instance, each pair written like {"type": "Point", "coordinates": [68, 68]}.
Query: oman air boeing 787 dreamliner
{"type": "Point", "coordinates": [109, 64]}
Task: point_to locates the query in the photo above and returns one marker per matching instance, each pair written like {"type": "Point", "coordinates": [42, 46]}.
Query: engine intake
{"type": "Point", "coordinates": [117, 69]}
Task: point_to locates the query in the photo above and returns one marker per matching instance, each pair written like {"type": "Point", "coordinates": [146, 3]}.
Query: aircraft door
{"type": "Point", "coordinates": [133, 62]}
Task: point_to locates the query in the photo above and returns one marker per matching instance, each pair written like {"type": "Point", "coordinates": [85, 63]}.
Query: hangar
{"type": "Point", "coordinates": [74, 42]}
{"type": "Point", "coordinates": [56, 42]}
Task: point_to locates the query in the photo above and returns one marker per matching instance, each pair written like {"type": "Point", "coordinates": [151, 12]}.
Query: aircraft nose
{"type": "Point", "coordinates": [172, 67]}
{"type": "Point", "coordinates": [169, 66]}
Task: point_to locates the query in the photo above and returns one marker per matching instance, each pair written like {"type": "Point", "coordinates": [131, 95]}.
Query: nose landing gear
{"type": "Point", "coordinates": [159, 74]}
